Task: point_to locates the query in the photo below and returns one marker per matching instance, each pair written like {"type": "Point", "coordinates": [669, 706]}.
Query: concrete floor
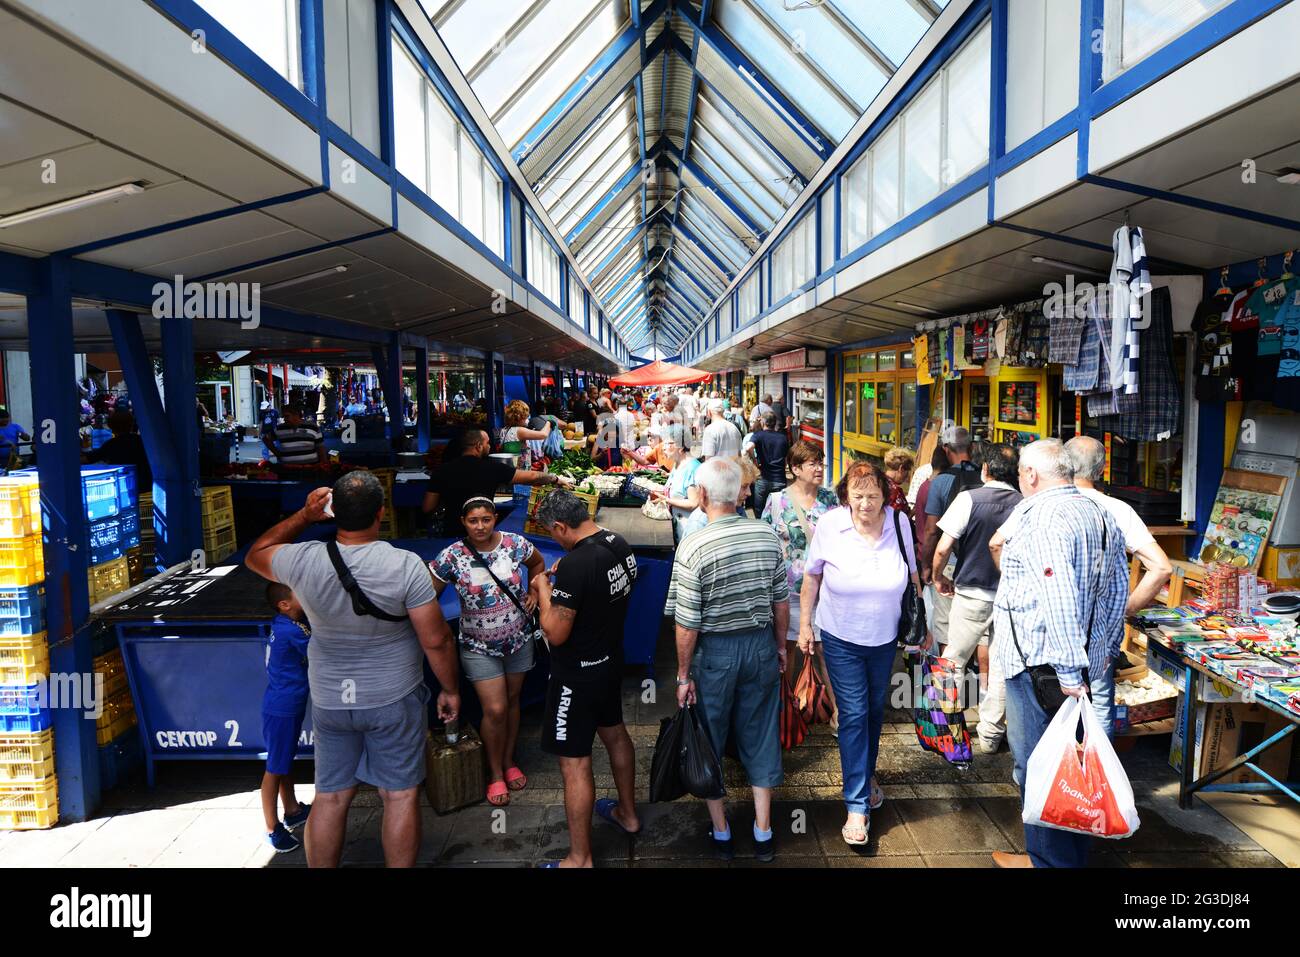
{"type": "Point", "coordinates": [207, 814]}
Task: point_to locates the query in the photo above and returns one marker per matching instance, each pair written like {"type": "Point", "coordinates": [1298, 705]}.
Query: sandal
{"type": "Point", "coordinates": [498, 794]}
{"type": "Point", "coordinates": [605, 808]}
{"type": "Point", "coordinates": [516, 780]}
{"type": "Point", "coordinates": [852, 829]}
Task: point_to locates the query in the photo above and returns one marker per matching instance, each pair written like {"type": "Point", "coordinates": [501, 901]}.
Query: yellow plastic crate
{"type": "Point", "coordinates": [26, 758]}
{"type": "Point", "coordinates": [23, 657]}
{"type": "Point", "coordinates": [28, 806]}
{"type": "Point", "coordinates": [117, 719]}
{"type": "Point", "coordinates": [108, 579]}
{"type": "Point", "coordinates": [22, 561]}
{"type": "Point", "coordinates": [20, 506]}
{"type": "Point", "coordinates": [218, 518]}
{"type": "Point", "coordinates": [219, 544]}
{"type": "Point", "coordinates": [110, 665]}
{"type": "Point", "coordinates": [214, 498]}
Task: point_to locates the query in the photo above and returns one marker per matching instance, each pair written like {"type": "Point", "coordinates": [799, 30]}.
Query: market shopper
{"type": "Point", "coordinates": [690, 412]}
{"type": "Point", "coordinates": [375, 619]}
{"type": "Point", "coordinates": [721, 438]}
{"type": "Point", "coordinates": [793, 512]}
{"type": "Point", "coordinates": [583, 606]}
{"type": "Point", "coordinates": [516, 434]}
{"type": "Point", "coordinates": [284, 707]}
{"type": "Point", "coordinates": [497, 641]}
{"type": "Point", "coordinates": [854, 578]}
{"type": "Point", "coordinates": [967, 528]}
{"type": "Point", "coordinates": [680, 494]}
{"type": "Point", "coordinates": [1088, 456]}
{"type": "Point", "coordinates": [960, 474]}
{"type": "Point", "coordinates": [126, 447]}
{"type": "Point", "coordinates": [1061, 600]}
{"type": "Point", "coordinates": [468, 474]}
{"type": "Point", "coordinates": [760, 409]}
{"type": "Point", "coordinates": [729, 597]}
{"type": "Point", "coordinates": [771, 449]}
{"type": "Point", "coordinates": [748, 476]}
{"type": "Point", "coordinates": [297, 443]}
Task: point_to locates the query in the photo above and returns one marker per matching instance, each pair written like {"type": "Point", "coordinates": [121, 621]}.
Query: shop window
{"type": "Point", "coordinates": [850, 408]}
{"type": "Point", "coordinates": [882, 392]}
{"type": "Point", "coordinates": [908, 360]}
{"type": "Point", "coordinates": [851, 363]}
{"type": "Point", "coordinates": [886, 361]}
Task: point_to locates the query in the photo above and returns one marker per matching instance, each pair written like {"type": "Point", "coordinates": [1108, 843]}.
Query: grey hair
{"type": "Point", "coordinates": [957, 439]}
{"type": "Point", "coordinates": [1088, 456]}
{"type": "Point", "coordinates": [562, 506]}
{"type": "Point", "coordinates": [715, 405]}
{"type": "Point", "coordinates": [1048, 457]}
{"type": "Point", "coordinates": [720, 479]}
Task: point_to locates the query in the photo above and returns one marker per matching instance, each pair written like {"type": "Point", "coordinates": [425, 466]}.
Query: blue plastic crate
{"type": "Point", "coordinates": [99, 492]}
{"type": "Point", "coordinates": [20, 708]}
{"type": "Point", "coordinates": [22, 610]}
{"type": "Point", "coordinates": [105, 538]}
{"type": "Point", "coordinates": [120, 758]}
{"type": "Point", "coordinates": [127, 494]}
{"type": "Point", "coordinates": [130, 520]}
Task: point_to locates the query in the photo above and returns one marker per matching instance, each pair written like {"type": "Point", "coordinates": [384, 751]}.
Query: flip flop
{"type": "Point", "coordinates": [495, 790]}
{"type": "Point", "coordinates": [605, 811]}
{"type": "Point", "coordinates": [875, 804]}
{"type": "Point", "coordinates": [516, 780]}
{"type": "Point", "coordinates": [549, 865]}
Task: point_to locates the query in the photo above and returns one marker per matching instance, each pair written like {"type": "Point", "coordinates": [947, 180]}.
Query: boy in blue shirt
{"type": "Point", "coordinates": [283, 708]}
{"type": "Point", "coordinates": [11, 433]}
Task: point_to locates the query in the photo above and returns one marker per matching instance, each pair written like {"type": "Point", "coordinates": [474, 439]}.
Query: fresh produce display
{"type": "Point", "coordinates": [607, 484]}
{"type": "Point", "coordinates": [575, 465]}
{"type": "Point", "coordinates": [647, 483]}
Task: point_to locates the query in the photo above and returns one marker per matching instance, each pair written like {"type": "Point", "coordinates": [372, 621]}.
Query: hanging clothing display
{"type": "Point", "coordinates": [935, 350]}
{"type": "Point", "coordinates": [980, 335]}
{"type": "Point", "coordinates": [1130, 282]}
{"type": "Point", "coordinates": [1083, 375]}
{"type": "Point", "coordinates": [1157, 412]}
{"type": "Point", "coordinates": [1214, 379]}
{"type": "Point", "coordinates": [1065, 337]}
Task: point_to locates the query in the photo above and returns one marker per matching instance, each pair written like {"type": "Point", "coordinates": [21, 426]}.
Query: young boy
{"type": "Point", "coordinates": [283, 708]}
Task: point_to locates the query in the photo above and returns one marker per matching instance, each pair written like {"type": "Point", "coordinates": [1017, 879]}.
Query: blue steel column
{"type": "Point", "coordinates": [55, 430]}
{"type": "Point", "coordinates": [491, 395]}
{"type": "Point", "coordinates": [184, 530]}
{"type": "Point", "coordinates": [423, 412]}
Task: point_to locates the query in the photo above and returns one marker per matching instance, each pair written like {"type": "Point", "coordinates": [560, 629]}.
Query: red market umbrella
{"type": "Point", "coordinates": [661, 373]}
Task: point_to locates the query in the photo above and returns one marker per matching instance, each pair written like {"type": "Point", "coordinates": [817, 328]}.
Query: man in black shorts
{"type": "Point", "coordinates": [583, 602]}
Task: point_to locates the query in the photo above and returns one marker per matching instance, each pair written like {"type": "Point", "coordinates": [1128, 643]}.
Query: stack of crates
{"type": "Point", "coordinates": [218, 523]}
{"type": "Point", "coordinates": [118, 716]}
{"type": "Point", "coordinates": [388, 528]}
{"type": "Point", "coordinates": [103, 490]}
{"type": "Point", "coordinates": [28, 789]}
{"type": "Point", "coordinates": [148, 536]}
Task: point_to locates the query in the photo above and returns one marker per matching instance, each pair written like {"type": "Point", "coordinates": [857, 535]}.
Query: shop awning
{"type": "Point", "coordinates": [661, 373]}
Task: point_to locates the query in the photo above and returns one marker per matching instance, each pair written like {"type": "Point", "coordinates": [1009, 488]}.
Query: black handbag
{"type": "Point", "coordinates": [1043, 678]}
{"type": "Point", "coordinates": [532, 621]}
{"type": "Point", "coordinates": [911, 623]}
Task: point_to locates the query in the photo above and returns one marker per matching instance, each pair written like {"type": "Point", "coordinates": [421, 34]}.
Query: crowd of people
{"type": "Point", "coordinates": [1022, 561]}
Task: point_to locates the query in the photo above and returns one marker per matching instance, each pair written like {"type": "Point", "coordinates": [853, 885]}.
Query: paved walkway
{"type": "Point", "coordinates": [207, 814]}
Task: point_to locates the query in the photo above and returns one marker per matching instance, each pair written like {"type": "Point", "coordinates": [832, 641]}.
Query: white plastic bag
{"type": "Point", "coordinates": [1079, 788]}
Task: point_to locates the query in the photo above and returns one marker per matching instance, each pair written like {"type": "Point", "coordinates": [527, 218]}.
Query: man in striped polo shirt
{"type": "Point", "coordinates": [731, 601]}
{"type": "Point", "coordinates": [297, 443]}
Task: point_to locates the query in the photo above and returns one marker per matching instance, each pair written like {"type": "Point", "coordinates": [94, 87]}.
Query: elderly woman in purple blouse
{"type": "Point", "coordinates": [856, 571]}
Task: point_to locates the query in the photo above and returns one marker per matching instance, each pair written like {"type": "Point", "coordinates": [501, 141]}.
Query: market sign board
{"type": "Point", "coordinates": [761, 367]}
{"type": "Point", "coordinates": [796, 360]}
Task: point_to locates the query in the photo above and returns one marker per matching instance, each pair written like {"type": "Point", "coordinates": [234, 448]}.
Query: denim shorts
{"type": "Point", "coordinates": [477, 666]}
{"type": "Point", "coordinates": [382, 746]}
{"type": "Point", "coordinates": [738, 683]}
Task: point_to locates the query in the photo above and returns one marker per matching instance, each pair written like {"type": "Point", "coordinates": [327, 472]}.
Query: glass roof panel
{"type": "Point", "coordinates": [894, 26]}
{"type": "Point", "coordinates": [828, 40]}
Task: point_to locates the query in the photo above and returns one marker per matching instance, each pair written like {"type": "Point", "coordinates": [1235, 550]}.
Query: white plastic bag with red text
{"type": "Point", "coordinates": [1080, 788]}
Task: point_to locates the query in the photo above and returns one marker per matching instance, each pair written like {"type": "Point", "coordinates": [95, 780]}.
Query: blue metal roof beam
{"type": "Point", "coordinates": [818, 141]}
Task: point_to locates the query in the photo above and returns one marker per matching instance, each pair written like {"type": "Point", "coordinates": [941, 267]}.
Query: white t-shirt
{"type": "Point", "coordinates": [954, 523]}
{"type": "Point", "coordinates": [721, 438]}
{"type": "Point", "coordinates": [1136, 535]}
{"type": "Point", "coordinates": [626, 429]}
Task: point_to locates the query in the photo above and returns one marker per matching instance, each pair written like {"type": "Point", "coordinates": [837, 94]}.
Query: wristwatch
{"type": "Point", "coordinates": [683, 682]}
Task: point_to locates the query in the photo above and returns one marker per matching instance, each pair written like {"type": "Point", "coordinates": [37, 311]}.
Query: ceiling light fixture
{"type": "Point", "coordinates": [68, 205]}
{"type": "Point", "coordinates": [319, 274]}
{"type": "Point", "coordinates": [1062, 264]}
{"type": "Point", "coordinates": [912, 305]}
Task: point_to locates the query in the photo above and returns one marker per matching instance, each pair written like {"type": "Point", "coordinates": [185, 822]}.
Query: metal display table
{"type": "Point", "coordinates": [1188, 784]}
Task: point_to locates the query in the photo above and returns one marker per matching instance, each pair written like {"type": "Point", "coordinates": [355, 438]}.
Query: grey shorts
{"type": "Point", "coordinates": [380, 746]}
{"type": "Point", "coordinates": [738, 683]}
{"type": "Point", "coordinates": [480, 667]}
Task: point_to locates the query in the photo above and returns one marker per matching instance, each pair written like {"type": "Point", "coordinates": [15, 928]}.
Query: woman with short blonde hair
{"type": "Point", "coordinates": [516, 431]}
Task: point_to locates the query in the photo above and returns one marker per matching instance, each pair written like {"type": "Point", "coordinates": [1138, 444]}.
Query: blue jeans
{"type": "Point", "coordinates": [860, 677]}
{"type": "Point", "coordinates": [1026, 722]}
{"type": "Point", "coordinates": [1102, 694]}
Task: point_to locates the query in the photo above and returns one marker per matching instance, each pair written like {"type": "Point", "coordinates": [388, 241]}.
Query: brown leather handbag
{"type": "Point", "coordinates": [810, 694]}
{"type": "Point", "coordinates": [793, 726]}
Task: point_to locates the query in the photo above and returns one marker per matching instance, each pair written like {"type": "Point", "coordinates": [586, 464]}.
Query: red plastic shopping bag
{"type": "Point", "coordinates": [1075, 787]}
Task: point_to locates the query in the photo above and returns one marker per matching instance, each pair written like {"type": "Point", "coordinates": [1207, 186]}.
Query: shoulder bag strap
{"type": "Point", "coordinates": [361, 604]}
{"type": "Point", "coordinates": [898, 536]}
{"type": "Point", "coordinates": [803, 516]}
{"type": "Point", "coordinates": [477, 559]}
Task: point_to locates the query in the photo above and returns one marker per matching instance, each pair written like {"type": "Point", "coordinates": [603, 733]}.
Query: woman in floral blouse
{"type": "Point", "coordinates": [793, 512]}
{"type": "Point", "coordinates": [496, 636]}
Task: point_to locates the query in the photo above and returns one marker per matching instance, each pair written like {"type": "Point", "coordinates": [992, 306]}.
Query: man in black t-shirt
{"type": "Point", "coordinates": [582, 615]}
{"type": "Point", "coordinates": [470, 474]}
{"type": "Point", "coordinates": [771, 448]}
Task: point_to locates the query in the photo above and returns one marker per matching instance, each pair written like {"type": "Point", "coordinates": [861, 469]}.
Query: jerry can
{"type": "Point", "coordinates": [456, 773]}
